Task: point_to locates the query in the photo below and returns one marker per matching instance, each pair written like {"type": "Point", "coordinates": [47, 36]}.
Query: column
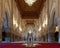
{"type": "Point", "coordinates": [59, 36]}
{"type": "Point", "coordinates": [46, 38]}
{"type": "Point", "coordinates": [11, 20]}
{"type": "Point", "coordinates": [49, 37]}
{"type": "Point", "coordinates": [2, 17]}
{"type": "Point", "coordinates": [0, 20]}
{"type": "Point", "coordinates": [58, 17]}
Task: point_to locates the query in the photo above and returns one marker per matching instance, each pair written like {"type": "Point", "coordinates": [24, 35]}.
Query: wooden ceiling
{"type": "Point", "coordinates": [30, 12]}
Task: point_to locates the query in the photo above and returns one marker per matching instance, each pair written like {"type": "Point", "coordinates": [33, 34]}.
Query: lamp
{"type": "Point", "coordinates": [30, 32]}
{"type": "Point", "coordinates": [39, 28]}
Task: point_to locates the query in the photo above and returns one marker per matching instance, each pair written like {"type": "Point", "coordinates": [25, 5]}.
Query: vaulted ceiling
{"type": "Point", "coordinates": [30, 12]}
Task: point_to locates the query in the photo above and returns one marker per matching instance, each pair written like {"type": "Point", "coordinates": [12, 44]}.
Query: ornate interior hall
{"type": "Point", "coordinates": [29, 21]}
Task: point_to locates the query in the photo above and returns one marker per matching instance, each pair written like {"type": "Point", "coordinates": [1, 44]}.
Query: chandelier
{"type": "Point", "coordinates": [30, 2]}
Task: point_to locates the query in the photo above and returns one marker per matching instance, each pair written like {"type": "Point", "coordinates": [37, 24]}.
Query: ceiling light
{"type": "Point", "coordinates": [30, 2]}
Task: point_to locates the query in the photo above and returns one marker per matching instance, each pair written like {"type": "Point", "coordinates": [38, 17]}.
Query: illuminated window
{"type": "Point", "coordinates": [30, 2]}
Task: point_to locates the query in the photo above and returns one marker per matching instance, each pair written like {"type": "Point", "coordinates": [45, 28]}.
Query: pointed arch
{"type": "Point", "coordinates": [5, 26]}
{"type": "Point", "coordinates": [6, 20]}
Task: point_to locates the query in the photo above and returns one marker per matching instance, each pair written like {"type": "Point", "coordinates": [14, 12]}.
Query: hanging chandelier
{"type": "Point", "coordinates": [30, 2]}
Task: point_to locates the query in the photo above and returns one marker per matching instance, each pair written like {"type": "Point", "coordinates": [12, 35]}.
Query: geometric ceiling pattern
{"type": "Point", "coordinates": [30, 12]}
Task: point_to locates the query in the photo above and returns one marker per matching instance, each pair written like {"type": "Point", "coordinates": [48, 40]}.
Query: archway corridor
{"type": "Point", "coordinates": [29, 22]}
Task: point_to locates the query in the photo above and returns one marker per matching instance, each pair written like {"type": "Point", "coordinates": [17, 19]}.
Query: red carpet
{"type": "Point", "coordinates": [18, 45]}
